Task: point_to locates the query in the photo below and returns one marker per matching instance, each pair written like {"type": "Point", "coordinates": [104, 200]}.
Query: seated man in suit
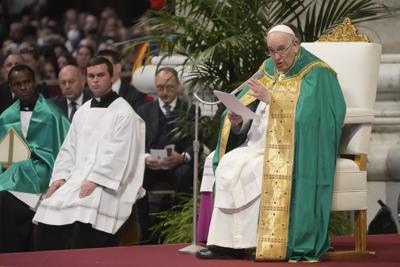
{"type": "Point", "coordinates": [121, 87]}
{"type": "Point", "coordinates": [177, 169]}
{"type": "Point", "coordinates": [43, 127]}
{"type": "Point", "coordinates": [6, 96]}
{"type": "Point", "coordinates": [72, 83]}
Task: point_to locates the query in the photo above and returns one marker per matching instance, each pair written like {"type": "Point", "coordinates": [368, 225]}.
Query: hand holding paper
{"type": "Point", "coordinates": [162, 156]}
{"type": "Point", "coordinates": [235, 119]}
{"type": "Point", "coordinates": [235, 106]}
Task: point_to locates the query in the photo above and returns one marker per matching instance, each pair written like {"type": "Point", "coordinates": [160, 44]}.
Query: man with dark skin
{"type": "Point", "coordinates": [43, 127]}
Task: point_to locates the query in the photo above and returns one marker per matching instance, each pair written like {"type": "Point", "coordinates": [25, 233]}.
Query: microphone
{"type": "Point", "coordinates": [256, 76]}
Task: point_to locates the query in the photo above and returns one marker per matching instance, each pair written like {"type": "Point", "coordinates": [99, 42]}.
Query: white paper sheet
{"type": "Point", "coordinates": [161, 154]}
{"type": "Point", "coordinates": [235, 106]}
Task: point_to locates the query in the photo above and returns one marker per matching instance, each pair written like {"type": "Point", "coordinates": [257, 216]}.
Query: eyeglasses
{"type": "Point", "coordinates": [167, 88]}
{"type": "Point", "coordinates": [280, 50]}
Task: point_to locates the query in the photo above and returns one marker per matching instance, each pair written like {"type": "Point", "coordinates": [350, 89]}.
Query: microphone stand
{"type": "Point", "coordinates": [193, 248]}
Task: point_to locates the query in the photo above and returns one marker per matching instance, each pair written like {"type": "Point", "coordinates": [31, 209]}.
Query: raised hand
{"type": "Point", "coordinates": [258, 90]}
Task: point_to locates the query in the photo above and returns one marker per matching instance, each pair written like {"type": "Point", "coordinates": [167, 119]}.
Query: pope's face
{"type": "Point", "coordinates": [283, 49]}
{"type": "Point", "coordinates": [99, 80]}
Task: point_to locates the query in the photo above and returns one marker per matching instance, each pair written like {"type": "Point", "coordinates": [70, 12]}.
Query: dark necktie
{"type": "Point", "coordinates": [73, 109]}
{"type": "Point", "coordinates": [167, 110]}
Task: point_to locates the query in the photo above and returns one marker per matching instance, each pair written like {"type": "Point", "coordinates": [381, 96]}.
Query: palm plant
{"type": "Point", "coordinates": [223, 41]}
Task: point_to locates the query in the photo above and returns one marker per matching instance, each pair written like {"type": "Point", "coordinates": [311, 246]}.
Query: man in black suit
{"type": "Point", "coordinates": [176, 171]}
{"type": "Point", "coordinates": [72, 83]}
{"type": "Point", "coordinates": [121, 87]}
{"type": "Point", "coordinates": [6, 97]}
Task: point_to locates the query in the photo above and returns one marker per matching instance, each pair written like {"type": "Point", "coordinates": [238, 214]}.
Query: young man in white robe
{"type": "Point", "coordinates": [98, 173]}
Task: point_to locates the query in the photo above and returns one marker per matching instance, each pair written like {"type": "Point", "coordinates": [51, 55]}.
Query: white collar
{"type": "Point", "coordinates": [116, 86]}
{"type": "Point", "coordinates": [172, 104]}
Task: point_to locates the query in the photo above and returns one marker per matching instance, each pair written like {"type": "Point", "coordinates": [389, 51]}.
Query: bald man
{"type": "Point", "coordinates": [74, 94]}
{"type": "Point", "coordinates": [273, 190]}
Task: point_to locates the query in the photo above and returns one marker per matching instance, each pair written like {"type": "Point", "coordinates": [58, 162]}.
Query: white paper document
{"type": "Point", "coordinates": [234, 105]}
{"type": "Point", "coordinates": [13, 148]}
{"type": "Point", "coordinates": [161, 154]}
{"type": "Point", "coordinates": [158, 154]}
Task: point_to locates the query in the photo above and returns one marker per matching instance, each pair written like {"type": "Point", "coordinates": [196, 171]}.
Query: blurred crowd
{"type": "Point", "coordinates": [47, 44]}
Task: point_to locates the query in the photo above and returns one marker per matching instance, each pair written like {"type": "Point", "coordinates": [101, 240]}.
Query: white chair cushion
{"type": "Point", "coordinates": [170, 60]}
{"type": "Point", "coordinates": [144, 77]}
{"type": "Point", "coordinates": [359, 115]}
{"type": "Point", "coordinates": [355, 139]}
{"type": "Point", "coordinates": [350, 187]}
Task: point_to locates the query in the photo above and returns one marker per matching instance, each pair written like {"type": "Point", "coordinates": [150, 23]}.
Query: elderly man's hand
{"type": "Point", "coordinates": [173, 160]}
{"type": "Point", "coordinates": [235, 119]}
{"type": "Point", "coordinates": [53, 187]}
{"type": "Point", "coordinates": [259, 91]}
{"type": "Point", "coordinates": [152, 163]}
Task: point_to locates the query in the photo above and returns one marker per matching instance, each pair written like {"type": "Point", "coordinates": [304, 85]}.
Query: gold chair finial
{"type": "Point", "coordinates": [345, 32]}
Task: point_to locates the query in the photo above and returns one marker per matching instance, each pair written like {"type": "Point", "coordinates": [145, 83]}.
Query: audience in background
{"type": "Point", "coordinates": [33, 33]}
{"type": "Point", "coordinates": [6, 95]}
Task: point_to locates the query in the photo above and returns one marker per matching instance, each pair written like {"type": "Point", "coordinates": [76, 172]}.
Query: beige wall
{"type": "Point", "coordinates": [386, 31]}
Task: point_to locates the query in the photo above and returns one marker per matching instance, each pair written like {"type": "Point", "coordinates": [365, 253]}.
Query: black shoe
{"type": "Point", "coordinates": [217, 252]}
{"type": "Point", "coordinates": [211, 255]}
{"type": "Point", "coordinates": [252, 256]}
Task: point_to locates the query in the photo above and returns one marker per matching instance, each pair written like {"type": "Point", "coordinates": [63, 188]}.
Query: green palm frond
{"type": "Point", "coordinates": [323, 15]}
{"type": "Point", "coordinates": [225, 39]}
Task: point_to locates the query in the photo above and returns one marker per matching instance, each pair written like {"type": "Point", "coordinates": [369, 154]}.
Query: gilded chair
{"type": "Point", "coordinates": [356, 62]}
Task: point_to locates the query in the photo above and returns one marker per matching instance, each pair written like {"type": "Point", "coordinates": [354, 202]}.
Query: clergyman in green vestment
{"type": "Point", "coordinates": [43, 127]}
{"type": "Point", "coordinates": [281, 205]}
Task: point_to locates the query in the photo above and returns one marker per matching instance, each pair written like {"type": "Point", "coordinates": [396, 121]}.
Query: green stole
{"type": "Point", "coordinates": [47, 130]}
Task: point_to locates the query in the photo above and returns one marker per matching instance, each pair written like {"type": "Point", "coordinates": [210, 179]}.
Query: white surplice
{"type": "Point", "coordinates": [105, 146]}
{"type": "Point", "coordinates": [237, 189]}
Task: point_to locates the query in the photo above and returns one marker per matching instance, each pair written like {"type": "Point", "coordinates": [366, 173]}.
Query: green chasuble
{"type": "Point", "coordinates": [305, 121]}
{"type": "Point", "coordinates": [47, 130]}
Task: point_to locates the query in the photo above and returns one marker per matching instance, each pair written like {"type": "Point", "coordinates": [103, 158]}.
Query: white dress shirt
{"type": "Point", "coordinates": [78, 101]}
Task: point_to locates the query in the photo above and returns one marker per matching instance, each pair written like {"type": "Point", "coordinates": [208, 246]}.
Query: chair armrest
{"type": "Point", "coordinates": [359, 116]}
